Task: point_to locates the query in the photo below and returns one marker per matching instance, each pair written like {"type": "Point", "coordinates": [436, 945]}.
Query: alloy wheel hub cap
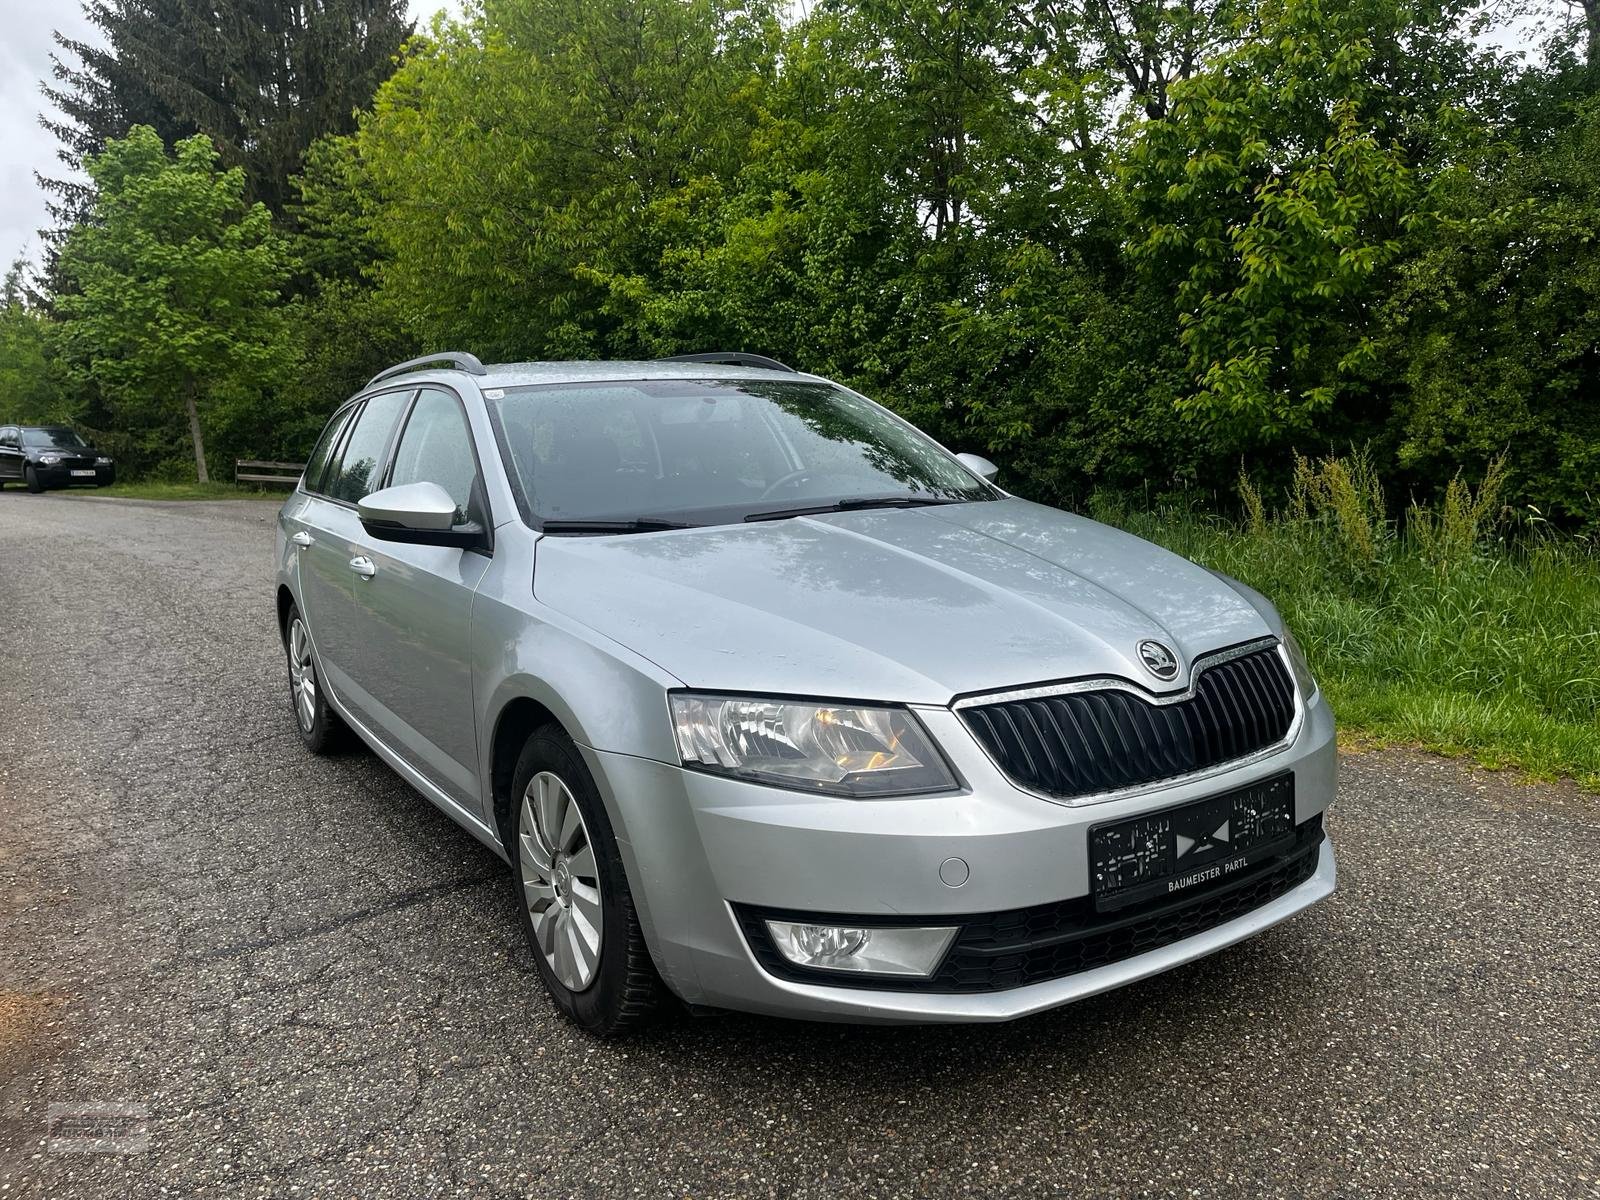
{"type": "Point", "coordinates": [563, 880]}
{"type": "Point", "coordinates": [560, 881]}
{"type": "Point", "coordinates": [302, 675]}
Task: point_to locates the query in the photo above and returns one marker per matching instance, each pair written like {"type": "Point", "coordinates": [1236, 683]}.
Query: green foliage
{"type": "Point", "coordinates": [31, 387]}
{"type": "Point", "coordinates": [1494, 324]}
{"type": "Point", "coordinates": [172, 312]}
{"type": "Point", "coordinates": [1275, 198]}
{"type": "Point", "coordinates": [1340, 502]}
{"type": "Point", "coordinates": [1117, 245]}
{"type": "Point", "coordinates": [512, 159]}
{"type": "Point", "coordinates": [1453, 533]}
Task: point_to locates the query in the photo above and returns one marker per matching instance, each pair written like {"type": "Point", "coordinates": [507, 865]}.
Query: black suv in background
{"type": "Point", "coordinates": [46, 456]}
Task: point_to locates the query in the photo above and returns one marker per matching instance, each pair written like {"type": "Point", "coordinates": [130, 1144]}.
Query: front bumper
{"type": "Point", "coordinates": [888, 1007]}
{"type": "Point", "coordinates": [696, 846]}
{"type": "Point", "coordinates": [62, 476]}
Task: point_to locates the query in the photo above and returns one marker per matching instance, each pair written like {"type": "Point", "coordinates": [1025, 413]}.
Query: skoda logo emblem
{"type": "Point", "coordinates": [1158, 660]}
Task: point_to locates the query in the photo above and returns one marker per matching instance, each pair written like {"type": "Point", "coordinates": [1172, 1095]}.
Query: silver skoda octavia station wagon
{"type": "Point", "coordinates": [773, 704]}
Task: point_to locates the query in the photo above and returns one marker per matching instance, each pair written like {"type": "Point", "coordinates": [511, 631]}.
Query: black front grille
{"type": "Point", "coordinates": [1081, 743]}
{"type": "Point", "coordinates": [996, 951]}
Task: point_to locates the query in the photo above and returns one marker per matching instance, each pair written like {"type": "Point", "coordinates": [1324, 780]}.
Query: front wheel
{"type": "Point", "coordinates": [320, 727]}
{"type": "Point", "coordinates": [30, 477]}
{"type": "Point", "coordinates": [577, 911]}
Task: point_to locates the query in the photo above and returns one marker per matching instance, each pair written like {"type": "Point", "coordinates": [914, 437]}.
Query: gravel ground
{"type": "Point", "coordinates": [309, 981]}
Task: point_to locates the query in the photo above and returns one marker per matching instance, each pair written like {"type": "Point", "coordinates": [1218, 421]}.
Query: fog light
{"type": "Point", "coordinates": [896, 950]}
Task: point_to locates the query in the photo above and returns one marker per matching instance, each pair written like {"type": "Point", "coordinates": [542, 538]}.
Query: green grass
{"type": "Point", "coordinates": [1492, 651]}
{"type": "Point", "coordinates": [184, 491]}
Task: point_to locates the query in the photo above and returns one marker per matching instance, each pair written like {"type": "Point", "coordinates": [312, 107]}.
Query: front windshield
{"type": "Point", "coordinates": [58, 439]}
{"type": "Point", "coordinates": [713, 451]}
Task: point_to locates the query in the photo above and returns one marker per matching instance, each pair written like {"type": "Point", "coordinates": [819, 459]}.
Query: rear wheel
{"type": "Point", "coordinates": [320, 727]}
{"type": "Point", "coordinates": [31, 478]}
{"type": "Point", "coordinates": [577, 911]}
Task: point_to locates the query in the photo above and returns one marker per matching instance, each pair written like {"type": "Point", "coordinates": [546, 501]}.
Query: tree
{"type": "Point", "coordinates": [1144, 45]}
{"type": "Point", "coordinates": [1493, 332]}
{"type": "Point", "coordinates": [105, 92]}
{"type": "Point", "coordinates": [512, 160]}
{"type": "Point", "coordinates": [173, 286]}
{"type": "Point", "coordinates": [30, 375]}
{"type": "Point", "coordinates": [264, 78]}
{"type": "Point", "coordinates": [1275, 198]}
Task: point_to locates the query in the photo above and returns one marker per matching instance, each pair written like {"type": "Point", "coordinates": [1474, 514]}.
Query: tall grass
{"type": "Point", "coordinates": [1449, 630]}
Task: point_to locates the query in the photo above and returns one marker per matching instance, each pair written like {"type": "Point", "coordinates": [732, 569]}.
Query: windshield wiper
{"type": "Point", "coordinates": [632, 525]}
{"type": "Point", "coordinates": [850, 504]}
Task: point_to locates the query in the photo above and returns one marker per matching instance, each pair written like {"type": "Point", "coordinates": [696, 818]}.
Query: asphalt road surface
{"type": "Point", "coordinates": [286, 975]}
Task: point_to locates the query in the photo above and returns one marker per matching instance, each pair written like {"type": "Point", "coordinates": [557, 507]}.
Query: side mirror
{"type": "Point", "coordinates": [979, 466]}
{"type": "Point", "coordinates": [419, 513]}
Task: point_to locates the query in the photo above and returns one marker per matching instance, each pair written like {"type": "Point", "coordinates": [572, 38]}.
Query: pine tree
{"type": "Point", "coordinates": [262, 78]}
{"type": "Point", "coordinates": [103, 93]}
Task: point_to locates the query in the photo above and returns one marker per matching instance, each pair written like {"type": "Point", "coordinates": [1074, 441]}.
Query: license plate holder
{"type": "Point", "coordinates": [1167, 852]}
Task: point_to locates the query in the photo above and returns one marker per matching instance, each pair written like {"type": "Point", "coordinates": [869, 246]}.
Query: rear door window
{"type": "Point", "coordinates": [318, 461]}
{"type": "Point", "coordinates": [357, 472]}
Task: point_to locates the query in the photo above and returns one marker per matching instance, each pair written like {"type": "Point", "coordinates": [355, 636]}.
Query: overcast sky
{"type": "Point", "coordinates": [25, 147]}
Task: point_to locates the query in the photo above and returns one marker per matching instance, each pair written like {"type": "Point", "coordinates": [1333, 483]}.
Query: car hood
{"type": "Point", "coordinates": [913, 605]}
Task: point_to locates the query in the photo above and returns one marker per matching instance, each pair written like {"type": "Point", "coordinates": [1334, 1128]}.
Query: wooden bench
{"type": "Point", "coordinates": [252, 470]}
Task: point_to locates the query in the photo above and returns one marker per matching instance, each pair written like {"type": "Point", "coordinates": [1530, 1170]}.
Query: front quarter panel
{"type": "Point", "coordinates": [605, 696]}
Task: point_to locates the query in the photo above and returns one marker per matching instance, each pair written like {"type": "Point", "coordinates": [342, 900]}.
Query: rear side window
{"type": "Point", "coordinates": [436, 447]}
{"type": "Point", "coordinates": [318, 461]}
{"type": "Point", "coordinates": [357, 472]}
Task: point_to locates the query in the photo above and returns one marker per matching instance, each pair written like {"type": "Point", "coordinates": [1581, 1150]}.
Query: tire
{"type": "Point", "coordinates": [31, 478]}
{"type": "Point", "coordinates": [320, 727]}
{"type": "Point", "coordinates": [621, 990]}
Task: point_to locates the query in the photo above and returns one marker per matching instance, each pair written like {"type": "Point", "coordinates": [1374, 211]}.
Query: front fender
{"type": "Point", "coordinates": [604, 695]}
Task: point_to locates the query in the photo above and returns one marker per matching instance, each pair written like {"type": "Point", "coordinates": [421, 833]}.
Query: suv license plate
{"type": "Point", "coordinates": [1163, 853]}
{"type": "Point", "coordinates": [82, 473]}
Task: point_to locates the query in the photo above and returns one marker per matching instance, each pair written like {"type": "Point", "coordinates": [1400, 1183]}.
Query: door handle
{"type": "Point", "coordinates": [302, 539]}
{"type": "Point", "coordinates": [362, 566]}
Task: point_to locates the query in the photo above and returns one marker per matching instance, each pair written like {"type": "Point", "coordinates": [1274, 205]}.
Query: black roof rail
{"type": "Point", "coordinates": [458, 359]}
{"type": "Point", "coordinates": [732, 358]}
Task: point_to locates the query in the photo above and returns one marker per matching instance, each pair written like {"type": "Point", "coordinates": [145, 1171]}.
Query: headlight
{"type": "Point", "coordinates": [842, 750]}
{"type": "Point", "coordinates": [49, 460]}
{"type": "Point", "coordinates": [102, 461]}
{"type": "Point", "coordinates": [1297, 661]}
